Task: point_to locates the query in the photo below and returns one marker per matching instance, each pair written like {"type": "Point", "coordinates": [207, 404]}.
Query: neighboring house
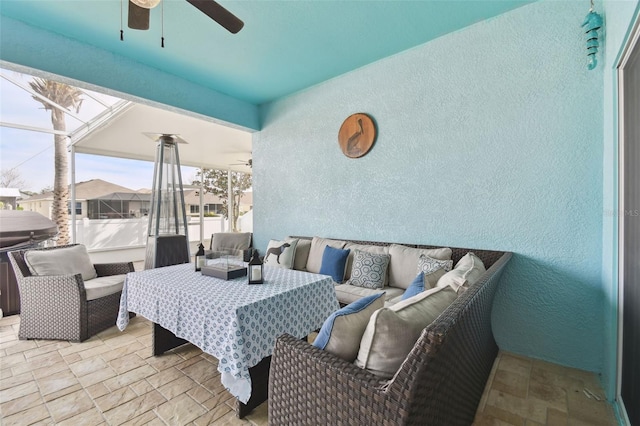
{"type": "Point", "coordinates": [212, 203]}
{"type": "Point", "coordinates": [90, 197]}
{"type": "Point", "coordinates": [9, 198]}
{"type": "Point", "coordinates": [98, 199]}
{"type": "Point", "coordinates": [118, 205]}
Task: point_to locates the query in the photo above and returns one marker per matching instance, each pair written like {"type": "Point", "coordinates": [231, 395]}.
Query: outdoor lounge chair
{"type": "Point", "coordinates": [58, 306]}
{"type": "Point", "coordinates": [237, 243]}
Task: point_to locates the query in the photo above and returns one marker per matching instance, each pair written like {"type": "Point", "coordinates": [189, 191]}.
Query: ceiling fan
{"type": "Point", "coordinates": [248, 163]}
{"type": "Point", "coordinates": [139, 11]}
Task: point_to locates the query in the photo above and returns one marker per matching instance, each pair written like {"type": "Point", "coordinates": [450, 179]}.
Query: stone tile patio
{"type": "Point", "coordinates": [112, 379]}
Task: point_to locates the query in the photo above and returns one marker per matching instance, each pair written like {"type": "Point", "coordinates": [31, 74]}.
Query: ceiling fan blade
{"type": "Point", "coordinates": [219, 14]}
{"type": "Point", "coordinates": [138, 17]}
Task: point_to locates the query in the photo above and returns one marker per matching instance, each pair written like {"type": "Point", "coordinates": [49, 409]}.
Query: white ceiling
{"type": "Point", "coordinates": [209, 145]}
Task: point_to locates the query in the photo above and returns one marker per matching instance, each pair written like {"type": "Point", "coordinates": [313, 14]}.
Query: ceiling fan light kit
{"type": "Point", "coordinates": [139, 13]}
{"type": "Point", "coordinates": [147, 4]}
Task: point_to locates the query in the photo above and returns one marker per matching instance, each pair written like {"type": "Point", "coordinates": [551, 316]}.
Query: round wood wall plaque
{"type": "Point", "coordinates": [357, 135]}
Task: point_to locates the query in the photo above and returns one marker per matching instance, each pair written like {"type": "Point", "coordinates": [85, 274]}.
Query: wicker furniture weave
{"type": "Point", "coordinates": [56, 307]}
{"type": "Point", "coordinates": [440, 382]}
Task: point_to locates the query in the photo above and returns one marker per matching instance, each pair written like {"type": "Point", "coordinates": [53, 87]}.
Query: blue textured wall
{"type": "Point", "coordinates": [490, 137]}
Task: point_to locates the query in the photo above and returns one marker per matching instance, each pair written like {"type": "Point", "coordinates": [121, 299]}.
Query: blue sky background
{"type": "Point", "coordinates": [31, 153]}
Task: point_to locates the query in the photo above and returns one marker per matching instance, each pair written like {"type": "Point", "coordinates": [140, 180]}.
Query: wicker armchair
{"type": "Point", "coordinates": [56, 306]}
{"type": "Point", "coordinates": [440, 382]}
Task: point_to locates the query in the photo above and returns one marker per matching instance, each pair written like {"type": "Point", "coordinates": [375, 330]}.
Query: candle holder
{"type": "Point", "coordinates": [255, 270]}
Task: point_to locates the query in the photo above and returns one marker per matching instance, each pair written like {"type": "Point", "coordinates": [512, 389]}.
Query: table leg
{"type": "Point", "coordinates": [164, 340]}
{"type": "Point", "coordinates": [259, 388]}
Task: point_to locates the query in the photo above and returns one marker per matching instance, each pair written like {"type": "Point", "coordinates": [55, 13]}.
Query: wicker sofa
{"type": "Point", "coordinates": [58, 306]}
{"type": "Point", "coordinates": [440, 382]}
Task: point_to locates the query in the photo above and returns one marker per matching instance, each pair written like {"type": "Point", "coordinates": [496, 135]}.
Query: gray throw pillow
{"type": "Point", "coordinates": [369, 269]}
{"type": "Point", "coordinates": [61, 261]}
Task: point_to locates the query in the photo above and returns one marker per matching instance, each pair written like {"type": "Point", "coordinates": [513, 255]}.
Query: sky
{"type": "Point", "coordinates": [30, 153]}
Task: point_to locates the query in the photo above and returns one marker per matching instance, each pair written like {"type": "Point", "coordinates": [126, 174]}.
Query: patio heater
{"type": "Point", "coordinates": [168, 239]}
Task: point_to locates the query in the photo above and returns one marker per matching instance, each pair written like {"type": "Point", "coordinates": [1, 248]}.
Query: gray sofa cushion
{"type": "Point", "coordinates": [231, 241]}
{"type": "Point", "coordinates": [302, 253]}
{"type": "Point", "coordinates": [104, 286]}
{"type": "Point", "coordinates": [61, 261]}
{"type": "Point", "coordinates": [317, 251]}
{"type": "Point", "coordinates": [348, 293]}
{"type": "Point", "coordinates": [404, 263]}
{"type": "Point", "coordinates": [467, 271]}
{"type": "Point", "coordinates": [392, 332]}
{"type": "Point", "coordinates": [342, 331]}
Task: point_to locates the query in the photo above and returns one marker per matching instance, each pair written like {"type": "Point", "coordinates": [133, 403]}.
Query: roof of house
{"type": "Point", "coordinates": [98, 189]}
{"type": "Point", "coordinates": [9, 192]}
{"type": "Point", "coordinates": [125, 196]}
{"type": "Point", "coordinates": [90, 189]}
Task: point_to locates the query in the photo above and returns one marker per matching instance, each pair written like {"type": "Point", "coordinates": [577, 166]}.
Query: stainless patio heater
{"type": "Point", "coordinates": [168, 239]}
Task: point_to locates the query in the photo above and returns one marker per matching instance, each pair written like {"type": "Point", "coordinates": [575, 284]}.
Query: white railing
{"type": "Point", "coordinates": [115, 240]}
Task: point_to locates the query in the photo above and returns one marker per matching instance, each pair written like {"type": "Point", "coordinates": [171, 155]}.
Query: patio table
{"type": "Point", "coordinates": [231, 320]}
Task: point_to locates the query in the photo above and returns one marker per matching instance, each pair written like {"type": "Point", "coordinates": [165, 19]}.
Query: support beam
{"type": "Point", "coordinates": [230, 200]}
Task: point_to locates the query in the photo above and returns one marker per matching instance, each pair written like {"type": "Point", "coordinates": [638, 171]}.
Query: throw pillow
{"type": "Point", "coordinates": [433, 269]}
{"type": "Point", "coordinates": [314, 261]}
{"type": "Point", "coordinates": [302, 254]}
{"type": "Point", "coordinates": [369, 270]}
{"type": "Point", "coordinates": [416, 287]}
{"type": "Point", "coordinates": [392, 332]}
{"type": "Point", "coordinates": [342, 331]}
{"type": "Point", "coordinates": [467, 271]}
{"type": "Point", "coordinates": [281, 253]}
{"type": "Point", "coordinates": [61, 261]}
{"type": "Point", "coordinates": [402, 268]}
{"type": "Point", "coordinates": [333, 262]}
{"type": "Point", "coordinates": [363, 247]}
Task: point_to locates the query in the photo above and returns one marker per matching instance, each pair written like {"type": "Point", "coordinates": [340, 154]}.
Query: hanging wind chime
{"type": "Point", "coordinates": [592, 23]}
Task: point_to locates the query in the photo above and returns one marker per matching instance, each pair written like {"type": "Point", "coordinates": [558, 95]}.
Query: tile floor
{"type": "Point", "coordinates": [527, 392]}
{"type": "Point", "coordinates": [113, 379]}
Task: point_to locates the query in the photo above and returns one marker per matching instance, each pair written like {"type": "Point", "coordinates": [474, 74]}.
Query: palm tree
{"type": "Point", "coordinates": [67, 97]}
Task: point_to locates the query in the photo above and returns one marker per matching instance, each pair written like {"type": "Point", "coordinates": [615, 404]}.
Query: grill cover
{"type": "Point", "coordinates": [21, 228]}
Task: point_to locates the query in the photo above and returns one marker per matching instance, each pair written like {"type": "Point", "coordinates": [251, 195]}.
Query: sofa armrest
{"type": "Point", "coordinates": [53, 307]}
{"type": "Point", "coordinates": [105, 269]}
{"type": "Point", "coordinates": [311, 386]}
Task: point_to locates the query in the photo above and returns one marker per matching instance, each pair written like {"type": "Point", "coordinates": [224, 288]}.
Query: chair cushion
{"type": "Point", "coordinates": [364, 247]}
{"type": "Point", "coordinates": [231, 241]}
{"type": "Point", "coordinates": [393, 331]}
{"type": "Point", "coordinates": [302, 254]}
{"type": "Point", "coordinates": [369, 269]}
{"type": "Point", "coordinates": [316, 251]}
{"type": "Point", "coordinates": [334, 261]}
{"type": "Point", "coordinates": [404, 261]}
{"type": "Point", "coordinates": [61, 261]}
{"type": "Point", "coordinates": [281, 253]}
{"type": "Point", "coordinates": [342, 331]}
{"type": "Point", "coordinates": [467, 271]}
{"type": "Point", "coordinates": [348, 293]}
{"type": "Point", "coordinates": [104, 286]}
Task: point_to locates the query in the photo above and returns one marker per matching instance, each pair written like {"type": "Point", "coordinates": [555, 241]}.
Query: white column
{"type": "Point", "coordinates": [201, 210]}
{"type": "Point", "coordinates": [73, 194]}
{"type": "Point", "coordinates": [230, 201]}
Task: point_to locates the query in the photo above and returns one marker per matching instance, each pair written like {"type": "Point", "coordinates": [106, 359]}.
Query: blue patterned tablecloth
{"type": "Point", "coordinates": [235, 322]}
